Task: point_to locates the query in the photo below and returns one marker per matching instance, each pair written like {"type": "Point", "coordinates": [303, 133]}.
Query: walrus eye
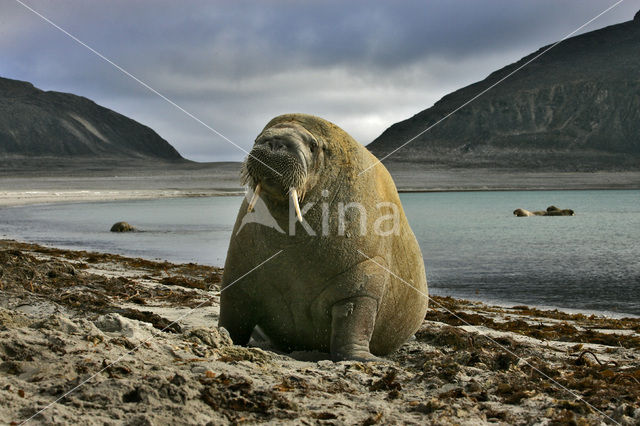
{"type": "Point", "coordinates": [313, 146]}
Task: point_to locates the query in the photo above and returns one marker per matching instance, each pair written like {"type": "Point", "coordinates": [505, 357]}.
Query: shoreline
{"type": "Point", "coordinates": [146, 182]}
{"type": "Point", "coordinates": [490, 302]}
{"type": "Point", "coordinates": [33, 198]}
{"type": "Point", "coordinates": [548, 308]}
{"type": "Point", "coordinates": [142, 335]}
{"type": "Point", "coordinates": [603, 188]}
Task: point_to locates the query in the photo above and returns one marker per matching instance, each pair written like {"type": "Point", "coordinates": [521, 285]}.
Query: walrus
{"type": "Point", "coordinates": [526, 213]}
{"type": "Point", "coordinates": [551, 211]}
{"type": "Point", "coordinates": [348, 277]}
{"type": "Point", "coordinates": [555, 211]}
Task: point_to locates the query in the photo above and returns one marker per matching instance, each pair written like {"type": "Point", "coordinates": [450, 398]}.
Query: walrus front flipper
{"type": "Point", "coordinates": [235, 320]}
{"type": "Point", "coordinates": [352, 323]}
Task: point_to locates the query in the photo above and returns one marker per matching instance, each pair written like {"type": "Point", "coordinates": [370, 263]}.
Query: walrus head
{"type": "Point", "coordinates": [522, 212]}
{"type": "Point", "coordinates": [282, 163]}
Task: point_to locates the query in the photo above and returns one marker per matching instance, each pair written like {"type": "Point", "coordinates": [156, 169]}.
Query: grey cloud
{"type": "Point", "coordinates": [235, 64]}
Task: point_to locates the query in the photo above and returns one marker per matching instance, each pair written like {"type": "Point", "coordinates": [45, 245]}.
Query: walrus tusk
{"type": "Point", "coordinates": [254, 199]}
{"type": "Point", "coordinates": [293, 193]}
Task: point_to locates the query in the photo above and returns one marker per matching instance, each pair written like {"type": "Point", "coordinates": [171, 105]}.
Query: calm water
{"type": "Point", "coordinates": [472, 244]}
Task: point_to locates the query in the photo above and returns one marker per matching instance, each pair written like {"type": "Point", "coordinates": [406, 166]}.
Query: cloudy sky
{"type": "Point", "coordinates": [235, 64]}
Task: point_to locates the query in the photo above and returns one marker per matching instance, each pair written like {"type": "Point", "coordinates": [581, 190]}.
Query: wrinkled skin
{"type": "Point", "coordinates": [332, 291]}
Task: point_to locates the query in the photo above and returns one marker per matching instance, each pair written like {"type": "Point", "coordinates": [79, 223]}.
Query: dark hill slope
{"type": "Point", "coordinates": [577, 107]}
{"type": "Point", "coordinates": [36, 124]}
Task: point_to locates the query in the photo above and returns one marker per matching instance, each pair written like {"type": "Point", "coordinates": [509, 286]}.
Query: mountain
{"type": "Point", "coordinates": [38, 124]}
{"type": "Point", "coordinates": [577, 107]}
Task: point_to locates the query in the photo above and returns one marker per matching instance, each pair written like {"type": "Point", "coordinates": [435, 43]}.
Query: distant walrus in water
{"type": "Point", "coordinates": [525, 213]}
{"type": "Point", "coordinates": [551, 211]}
{"type": "Point", "coordinates": [554, 211]}
{"type": "Point", "coordinates": [348, 277]}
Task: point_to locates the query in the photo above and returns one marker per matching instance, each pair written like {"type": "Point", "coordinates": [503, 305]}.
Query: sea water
{"type": "Point", "coordinates": [472, 244]}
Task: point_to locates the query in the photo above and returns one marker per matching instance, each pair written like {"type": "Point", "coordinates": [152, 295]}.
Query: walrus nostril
{"type": "Point", "coordinates": [275, 144]}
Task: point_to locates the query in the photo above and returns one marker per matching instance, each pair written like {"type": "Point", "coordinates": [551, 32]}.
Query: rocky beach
{"type": "Point", "coordinates": [105, 339]}
{"type": "Point", "coordinates": [99, 338]}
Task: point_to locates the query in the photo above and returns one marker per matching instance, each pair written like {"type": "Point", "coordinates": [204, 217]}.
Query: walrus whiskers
{"type": "Point", "coordinates": [293, 194]}
{"type": "Point", "coordinates": [254, 199]}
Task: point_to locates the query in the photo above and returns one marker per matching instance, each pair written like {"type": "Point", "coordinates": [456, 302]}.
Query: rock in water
{"type": "Point", "coordinates": [122, 227]}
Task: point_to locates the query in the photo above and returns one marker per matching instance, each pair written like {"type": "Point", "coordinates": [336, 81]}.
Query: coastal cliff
{"type": "Point", "coordinates": [574, 108]}
{"type": "Point", "coordinates": [36, 124]}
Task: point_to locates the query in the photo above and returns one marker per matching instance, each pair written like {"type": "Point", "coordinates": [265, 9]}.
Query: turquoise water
{"type": "Point", "coordinates": [472, 244]}
{"type": "Point", "coordinates": [475, 248]}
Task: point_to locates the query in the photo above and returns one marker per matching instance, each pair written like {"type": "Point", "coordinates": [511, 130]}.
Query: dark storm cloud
{"type": "Point", "coordinates": [235, 64]}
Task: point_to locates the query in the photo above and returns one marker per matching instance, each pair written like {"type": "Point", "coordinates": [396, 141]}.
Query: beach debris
{"type": "Point", "coordinates": [232, 354]}
{"type": "Point", "coordinates": [373, 419]}
{"type": "Point", "coordinates": [184, 282]}
{"type": "Point", "coordinates": [231, 393]}
{"type": "Point", "coordinates": [389, 383]}
{"type": "Point", "coordinates": [152, 318]}
{"type": "Point", "coordinates": [213, 337]}
{"type": "Point", "coordinates": [122, 227]}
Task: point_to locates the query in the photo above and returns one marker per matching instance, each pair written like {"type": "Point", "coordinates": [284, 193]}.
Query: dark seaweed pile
{"type": "Point", "coordinates": [70, 285]}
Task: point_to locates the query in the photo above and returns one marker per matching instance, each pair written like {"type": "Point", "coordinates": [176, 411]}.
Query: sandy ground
{"type": "Point", "coordinates": [104, 339]}
{"type": "Point", "coordinates": [37, 186]}
{"type": "Point", "coordinates": [84, 183]}
{"type": "Point", "coordinates": [19, 198]}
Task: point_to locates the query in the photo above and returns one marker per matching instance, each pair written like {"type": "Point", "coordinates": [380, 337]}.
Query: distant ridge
{"type": "Point", "coordinates": [577, 107]}
{"type": "Point", "coordinates": [38, 124]}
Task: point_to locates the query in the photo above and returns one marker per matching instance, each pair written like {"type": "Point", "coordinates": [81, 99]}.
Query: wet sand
{"type": "Point", "coordinates": [86, 182]}
{"type": "Point", "coordinates": [105, 339]}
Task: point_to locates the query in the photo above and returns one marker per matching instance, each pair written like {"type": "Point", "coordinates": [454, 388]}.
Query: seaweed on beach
{"type": "Point", "coordinates": [234, 395]}
{"type": "Point", "coordinates": [210, 274]}
{"type": "Point", "coordinates": [68, 284]}
{"type": "Point", "coordinates": [520, 373]}
{"type": "Point", "coordinates": [515, 365]}
{"type": "Point", "coordinates": [183, 282]}
{"type": "Point", "coordinates": [451, 314]}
